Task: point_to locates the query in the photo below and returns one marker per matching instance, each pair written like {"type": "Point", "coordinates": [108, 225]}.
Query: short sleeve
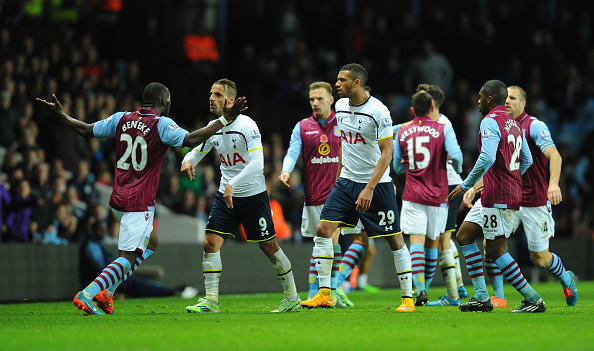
{"type": "Point", "coordinates": [107, 127]}
{"type": "Point", "coordinates": [171, 134]}
{"type": "Point", "coordinates": [539, 132]}
{"type": "Point", "coordinates": [384, 122]}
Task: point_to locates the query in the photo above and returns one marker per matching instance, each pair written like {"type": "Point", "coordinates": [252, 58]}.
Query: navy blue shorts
{"type": "Point", "coordinates": [453, 206]}
{"type": "Point", "coordinates": [380, 220]}
{"type": "Point", "coordinates": [252, 211]}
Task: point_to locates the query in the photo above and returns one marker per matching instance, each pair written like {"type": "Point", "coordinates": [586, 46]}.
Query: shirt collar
{"type": "Point", "coordinates": [147, 111]}
{"type": "Point", "coordinates": [522, 117]}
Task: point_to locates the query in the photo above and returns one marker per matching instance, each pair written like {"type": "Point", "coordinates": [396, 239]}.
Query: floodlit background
{"type": "Point", "coordinates": [97, 56]}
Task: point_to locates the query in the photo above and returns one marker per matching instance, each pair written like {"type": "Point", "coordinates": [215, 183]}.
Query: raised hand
{"type": "Point", "coordinates": [80, 127]}
{"type": "Point", "coordinates": [239, 106]}
{"type": "Point", "coordinates": [55, 107]}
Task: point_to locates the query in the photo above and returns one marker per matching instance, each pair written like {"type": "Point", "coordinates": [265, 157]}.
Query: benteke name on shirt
{"type": "Point", "coordinates": [136, 124]}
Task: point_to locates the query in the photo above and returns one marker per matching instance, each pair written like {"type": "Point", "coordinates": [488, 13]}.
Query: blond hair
{"type": "Point", "coordinates": [321, 85]}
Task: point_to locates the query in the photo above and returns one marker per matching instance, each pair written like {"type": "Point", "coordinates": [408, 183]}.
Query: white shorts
{"type": "Point", "coordinates": [496, 222]}
{"type": "Point", "coordinates": [423, 219]}
{"type": "Point", "coordinates": [309, 220]}
{"type": "Point", "coordinates": [135, 230]}
{"type": "Point", "coordinates": [539, 226]}
{"type": "Point", "coordinates": [311, 217]}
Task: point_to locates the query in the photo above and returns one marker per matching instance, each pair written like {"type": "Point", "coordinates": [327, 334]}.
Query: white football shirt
{"type": "Point", "coordinates": [234, 144]}
{"type": "Point", "coordinates": [360, 128]}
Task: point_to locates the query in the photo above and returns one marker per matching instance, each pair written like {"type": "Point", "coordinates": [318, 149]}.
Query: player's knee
{"type": "Point", "coordinates": [324, 230]}
{"type": "Point", "coordinates": [209, 244]}
{"type": "Point", "coordinates": [269, 247]}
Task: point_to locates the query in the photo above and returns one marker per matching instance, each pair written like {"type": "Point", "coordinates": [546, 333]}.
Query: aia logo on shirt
{"type": "Point", "coordinates": [352, 138]}
{"type": "Point", "coordinates": [231, 160]}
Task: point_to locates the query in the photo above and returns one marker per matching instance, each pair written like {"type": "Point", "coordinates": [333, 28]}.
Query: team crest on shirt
{"type": "Point", "coordinates": [336, 131]}
{"type": "Point", "coordinates": [255, 135]}
{"type": "Point", "coordinates": [323, 138]}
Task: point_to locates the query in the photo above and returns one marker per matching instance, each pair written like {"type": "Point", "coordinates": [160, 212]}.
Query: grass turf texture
{"type": "Point", "coordinates": [245, 323]}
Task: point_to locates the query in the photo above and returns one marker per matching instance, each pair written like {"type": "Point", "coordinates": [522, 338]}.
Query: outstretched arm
{"type": "Point", "coordinates": [80, 127]}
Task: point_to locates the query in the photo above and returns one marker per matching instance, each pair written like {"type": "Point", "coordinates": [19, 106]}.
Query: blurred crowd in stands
{"type": "Point", "coordinates": [87, 53]}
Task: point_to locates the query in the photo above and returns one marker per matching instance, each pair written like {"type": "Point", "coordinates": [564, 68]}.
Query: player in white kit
{"type": "Point", "coordinates": [241, 199]}
{"type": "Point", "coordinates": [364, 189]}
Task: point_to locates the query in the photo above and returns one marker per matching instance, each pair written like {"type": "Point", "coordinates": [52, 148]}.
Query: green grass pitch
{"type": "Point", "coordinates": [245, 323]}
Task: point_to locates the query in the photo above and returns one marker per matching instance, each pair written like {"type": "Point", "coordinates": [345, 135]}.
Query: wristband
{"type": "Point", "coordinates": [223, 120]}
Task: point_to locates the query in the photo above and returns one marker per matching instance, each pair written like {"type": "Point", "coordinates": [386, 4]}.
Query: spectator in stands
{"type": "Point", "coordinates": [19, 212]}
{"type": "Point", "coordinates": [10, 120]}
{"type": "Point", "coordinates": [83, 181]}
{"type": "Point", "coordinates": [40, 188]}
{"type": "Point", "coordinates": [4, 203]}
{"type": "Point", "coordinates": [66, 224]}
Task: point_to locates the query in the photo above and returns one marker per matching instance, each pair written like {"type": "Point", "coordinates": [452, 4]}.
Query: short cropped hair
{"type": "Point", "coordinates": [357, 72]}
{"type": "Point", "coordinates": [154, 92]}
{"type": "Point", "coordinates": [496, 89]}
{"type": "Point", "coordinates": [421, 102]}
{"type": "Point", "coordinates": [321, 85]}
{"type": "Point", "coordinates": [230, 86]}
{"type": "Point", "coordinates": [435, 91]}
{"type": "Point", "coordinates": [523, 95]}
